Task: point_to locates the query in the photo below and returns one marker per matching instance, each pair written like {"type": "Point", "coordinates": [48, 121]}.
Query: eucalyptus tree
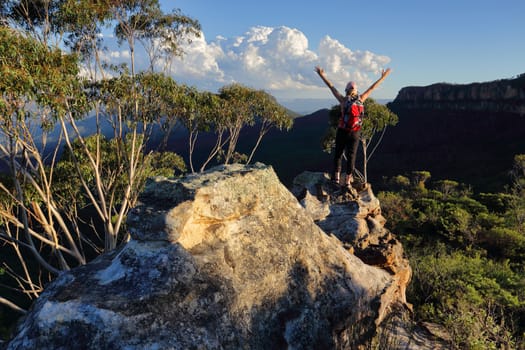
{"type": "Point", "coordinates": [517, 206]}
{"type": "Point", "coordinates": [112, 199]}
{"type": "Point", "coordinates": [224, 116]}
{"type": "Point", "coordinates": [43, 197]}
{"type": "Point", "coordinates": [43, 100]}
{"type": "Point", "coordinates": [378, 118]}
{"type": "Point", "coordinates": [74, 24]}
{"type": "Point", "coordinates": [39, 86]}
{"type": "Point", "coordinates": [243, 107]}
{"type": "Point", "coordinates": [236, 114]}
{"type": "Point", "coordinates": [164, 34]}
{"type": "Point", "coordinates": [131, 103]}
{"type": "Point", "coordinates": [268, 113]}
{"type": "Point", "coordinates": [210, 119]}
{"type": "Point", "coordinates": [200, 112]}
{"type": "Point", "coordinates": [81, 23]}
{"type": "Point", "coordinates": [144, 21]}
{"type": "Point", "coordinates": [33, 16]}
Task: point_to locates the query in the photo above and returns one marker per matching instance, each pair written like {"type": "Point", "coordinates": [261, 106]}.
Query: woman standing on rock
{"type": "Point", "coordinates": [349, 126]}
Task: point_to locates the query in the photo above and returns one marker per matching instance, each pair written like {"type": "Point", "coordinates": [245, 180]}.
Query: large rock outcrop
{"type": "Point", "coordinates": [359, 225]}
{"type": "Point", "coordinates": [229, 259]}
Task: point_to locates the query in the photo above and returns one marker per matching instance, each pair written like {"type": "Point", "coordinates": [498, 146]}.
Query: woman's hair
{"type": "Point", "coordinates": [351, 88]}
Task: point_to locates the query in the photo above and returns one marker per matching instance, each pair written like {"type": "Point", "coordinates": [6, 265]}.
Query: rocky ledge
{"type": "Point", "coordinates": [231, 259]}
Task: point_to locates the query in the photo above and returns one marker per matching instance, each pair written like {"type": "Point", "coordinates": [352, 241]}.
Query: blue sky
{"type": "Point", "coordinates": [274, 45]}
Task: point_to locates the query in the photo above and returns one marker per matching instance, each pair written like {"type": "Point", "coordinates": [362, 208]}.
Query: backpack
{"type": "Point", "coordinates": [352, 113]}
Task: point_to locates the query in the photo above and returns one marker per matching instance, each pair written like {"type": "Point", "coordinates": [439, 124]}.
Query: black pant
{"type": "Point", "coordinates": [349, 141]}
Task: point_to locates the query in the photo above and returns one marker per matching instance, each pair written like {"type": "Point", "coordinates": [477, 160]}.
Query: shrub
{"type": "Point", "coordinates": [470, 295]}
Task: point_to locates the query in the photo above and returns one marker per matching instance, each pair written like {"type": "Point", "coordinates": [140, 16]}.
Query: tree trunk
{"type": "Point", "coordinates": [365, 161]}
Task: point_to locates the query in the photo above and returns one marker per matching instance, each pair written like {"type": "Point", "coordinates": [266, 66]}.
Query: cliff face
{"type": "Point", "coordinates": [468, 133]}
{"type": "Point", "coordinates": [506, 96]}
{"type": "Point", "coordinates": [230, 259]}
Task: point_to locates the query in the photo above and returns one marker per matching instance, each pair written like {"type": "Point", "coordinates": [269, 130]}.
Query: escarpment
{"type": "Point", "coordinates": [231, 259]}
{"type": "Point", "coordinates": [505, 96]}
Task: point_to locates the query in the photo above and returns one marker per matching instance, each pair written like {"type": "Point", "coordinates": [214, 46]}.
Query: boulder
{"type": "Point", "coordinates": [228, 259]}
{"type": "Point", "coordinates": [358, 223]}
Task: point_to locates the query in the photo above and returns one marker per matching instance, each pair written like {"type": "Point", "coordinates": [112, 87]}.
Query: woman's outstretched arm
{"type": "Point", "coordinates": [336, 93]}
{"type": "Point", "coordinates": [364, 95]}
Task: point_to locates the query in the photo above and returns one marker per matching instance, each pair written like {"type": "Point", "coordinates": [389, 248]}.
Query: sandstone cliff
{"type": "Point", "coordinates": [506, 95]}
{"type": "Point", "coordinates": [230, 259]}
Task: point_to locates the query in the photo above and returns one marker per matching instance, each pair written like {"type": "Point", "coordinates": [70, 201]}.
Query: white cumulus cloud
{"type": "Point", "coordinates": [279, 60]}
{"type": "Point", "coordinates": [200, 65]}
{"type": "Point", "coordinates": [340, 61]}
{"type": "Point", "coordinates": [276, 59]}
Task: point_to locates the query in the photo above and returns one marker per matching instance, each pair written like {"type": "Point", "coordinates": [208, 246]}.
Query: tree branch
{"type": "Point", "coordinates": [12, 306]}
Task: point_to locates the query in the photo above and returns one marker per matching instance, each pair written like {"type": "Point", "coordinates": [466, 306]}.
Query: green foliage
{"type": "Point", "coordinates": [504, 242]}
{"type": "Point", "coordinates": [378, 117]}
{"type": "Point", "coordinates": [519, 166]}
{"type": "Point", "coordinates": [34, 15]}
{"type": "Point", "coordinates": [419, 179]}
{"type": "Point", "coordinates": [68, 183]}
{"type": "Point", "coordinates": [468, 294]}
{"type": "Point", "coordinates": [33, 73]}
{"type": "Point", "coordinates": [399, 183]}
{"type": "Point", "coordinates": [454, 223]}
{"type": "Point", "coordinates": [225, 115]}
{"type": "Point", "coordinates": [242, 106]}
{"type": "Point", "coordinates": [467, 252]}
{"type": "Point", "coordinates": [328, 139]}
{"type": "Point", "coordinates": [447, 187]}
{"type": "Point", "coordinates": [267, 110]}
{"type": "Point", "coordinates": [166, 164]}
{"type": "Point", "coordinates": [399, 210]}
{"type": "Point", "coordinates": [497, 202]}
